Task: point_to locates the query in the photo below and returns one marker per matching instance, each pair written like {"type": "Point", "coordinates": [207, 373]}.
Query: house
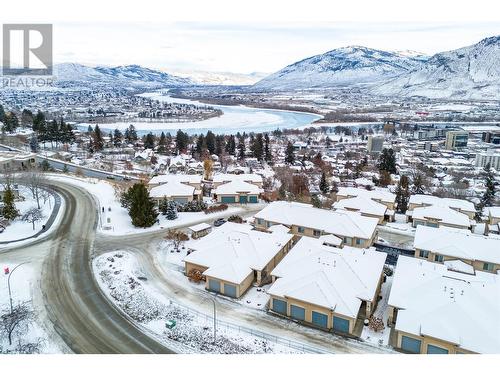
{"type": "Point", "coordinates": [443, 245]}
{"type": "Point", "coordinates": [12, 161]}
{"type": "Point", "coordinates": [179, 188]}
{"type": "Point", "coordinates": [436, 212]}
{"type": "Point", "coordinates": [366, 207]}
{"type": "Point", "coordinates": [381, 196]}
{"type": "Point", "coordinates": [493, 219]}
{"type": "Point", "coordinates": [305, 220]}
{"type": "Point", "coordinates": [327, 287]}
{"type": "Point", "coordinates": [232, 188]}
{"type": "Point", "coordinates": [200, 230]}
{"type": "Point", "coordinates": [436, 310]}
{"type": "Point", "coordinates": [234, 256]}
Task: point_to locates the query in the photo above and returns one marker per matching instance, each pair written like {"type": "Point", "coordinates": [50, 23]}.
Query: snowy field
{"type": "Point", "coordinates": [21, 229]}
{"type": "Point", "coordinates": [119, 276]}
{"type": "Point", "coordinates": [115, 220]}
{"type": "Point", "coordinates": [22, 283]}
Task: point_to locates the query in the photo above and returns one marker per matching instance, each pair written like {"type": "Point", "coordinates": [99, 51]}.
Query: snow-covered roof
{"type": "Point", "coordinates": [376, 194]}
{"type": "Point", "coordinates": [442, 214]}
{"type": "Point", "coordinates": [172, 189]}
{"type": "Point", "coordinates": [180, 178]}
{"type": "Point", "coordinates": [232, 251]}
{"type": "Point", "coordinates": [422, 199]}
{"type": "Point", "coordinates": [494, 211]}
{"type": "Point", "coordinates": [361, 204]}
{"type": "Point", "coordinates": [237, 186]}
{"type": "Point", "coordinates": [330, 240]}
{"type": "Point", "coordinates": [341, 223]}
{"type": "Point", "coordinates": [228, 177]}
{"type": "Point", "coordinates": [337, 279]}
{"type": "Point", "coordinates": [459, 266]}
{"type": "Point", "coordinates": [455, 307]}
{"type": "Point", "coordinates": [458, 244]}
{"type": "Point", "coordinates": [200, 227]}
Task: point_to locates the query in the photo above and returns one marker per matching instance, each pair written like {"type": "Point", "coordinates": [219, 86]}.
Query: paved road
{"type": "Point", "coordinates": [83, 317]}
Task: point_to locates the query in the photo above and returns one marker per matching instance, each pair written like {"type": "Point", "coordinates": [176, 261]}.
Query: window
{"type": "Point", "coordinates": [279, 306]}
{"type": "Point", "coordinates": [433, 225]}
{"type": "Point", "coordinates": [438, 258]}
{"type": "Point", "coordinates": [424, 254]}
{"type": "Point", "coordinates": [410, 344]}
{"type": "Point", "coordinates": [488, 266]}
{"type": "Point", "coordinates": [316, 233]}
{"type": "Point", "coordinates": [269, 224]}
{"type": "Point", "coordinates": [431, 349]}
{"type": "Point", "coordinates": [300, 229]}
{"type": "Point", "coordinates": [346, 240]}
{"type": "Point", "coordinates": [359, 241]}
{"type": "Point", "coordinates": [260, 221]}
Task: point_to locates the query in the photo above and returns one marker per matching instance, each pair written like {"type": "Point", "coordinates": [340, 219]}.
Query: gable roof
{"type": "Point", "coordinates": [237, 186]}
{"type": "Point", "coordinates": [458, 308]}
{"type": "Point", "coordinates": [337, 279]}
{"type": "Point", "coordinates": [341, 223]}
{"type": "Point", "coordinates": [431, 200]}
{"type": "Point", "coordinates": [443, 214]}
{"type": "Point", "coordinates": [376, 194]}
{"type": "Point", "coordinates": [361, 204]}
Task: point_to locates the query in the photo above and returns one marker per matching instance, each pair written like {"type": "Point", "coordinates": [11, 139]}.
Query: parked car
{"type": "Point", "coordinates": [219, 222]}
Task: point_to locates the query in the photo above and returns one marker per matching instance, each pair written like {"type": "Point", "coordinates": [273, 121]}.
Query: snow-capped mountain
{"type": "Point", "coordinates": [127, 76]}
{"type": "Point", "coordinates": [220, 78]}
{"type": "Point", "coordinates": [340, 67]}
{"type": "Point", "coordinates": [467, 73]}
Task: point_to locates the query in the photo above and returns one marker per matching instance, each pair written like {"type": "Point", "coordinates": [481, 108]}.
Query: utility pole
{"type": "Point", "coordinates": [8, 283]}
{"type": "Point", "coordinates": [215, 320]}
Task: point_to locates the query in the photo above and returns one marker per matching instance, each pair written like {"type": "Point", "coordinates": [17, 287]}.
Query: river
{"type": "Point", "coordinates": [234, 119]}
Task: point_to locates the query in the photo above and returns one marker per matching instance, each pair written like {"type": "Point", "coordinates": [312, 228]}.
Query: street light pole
{"type": "Point", "coordinates": [8, 283]}
{"type": "Point", "coordinates": [215, 320]}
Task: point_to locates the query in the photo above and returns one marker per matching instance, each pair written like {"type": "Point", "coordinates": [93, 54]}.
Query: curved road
{"type": "Point", "coordinates": [81, 315]}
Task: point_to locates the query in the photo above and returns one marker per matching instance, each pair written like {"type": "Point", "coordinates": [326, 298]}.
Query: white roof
{"type": "Point", "coordinates": [382, 195]}
{"type": "Point", "coordinates": [227, 177]}
{"type": "Point", "coordinates": [330, 239]}
{"type": "Point", "coordinates": [337, 279]}
{"type": "Point", "coordinates": [494, 211]}
{"type": "Point", "coordinates": [458, 244]}
{"type": "Point", "coordinates": [200, 227]}
{"type": "Point", "coordinates": [459, 266]}
{"type": "Point", "coordinates": [442, 214]}
{"type": "Point", "coordinates": [237, 186]}
{"type": "Point", "coordinates": [232, 251]}
{"type": "Point", "coordinates": [420, 199]}
{"type": "Point", "coordinates": [451, 306]}
{"type": "Point", "coordinates": [171, 189]}
{"type": "Point", "coordinates": [180, 178]}
{"type": "Point", "coordinates": [340, 223]}
{"type": "Point", "coordinates": [361, 204]}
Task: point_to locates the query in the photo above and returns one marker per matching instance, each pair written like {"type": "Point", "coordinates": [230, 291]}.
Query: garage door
{"type": "Point", "coordinates": [214, 285]}
{"type": "Point", "coordinates": [431, 349]}
{"type": "Point", "coordinates": [253, 199]}
{"type": "Point", "coordinates": [319, 319]}
{"type": "Point", "coordinates": [230, 290]}
{"type": "Point", "coordinates": [243, 199]}
{"type": "Point", "coordinates": [410, 344]}
{"type": "Point", "coordinates": [227, 200]}
{"type": "Point", "coordinates": [279, 306]}
{"type": "Point", "coordinates": [340, 325]}
{"type": "Point", "coordinates": [297, 312]}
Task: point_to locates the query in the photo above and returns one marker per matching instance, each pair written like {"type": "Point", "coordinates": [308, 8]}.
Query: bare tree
{"type": "Point", "coordinates": [34, 181]}
{"type": "Point", "coordinates": [32, 216]}
{"type": "Point", "coordinates": [18, 320]}
{"type": "Point", "coordinates": [177, 237]}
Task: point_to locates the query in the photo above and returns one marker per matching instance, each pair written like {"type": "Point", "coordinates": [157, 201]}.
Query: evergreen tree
{"type": "Point", "coordinates": [323, 184]}
{"type": "Point", "coordinates": [11, 122]}
{"type": "Point", "coordinates": [488, 198]}
{"type": "Point", "coordinates": [171, 213]}
{"type": "Point", "coordinates": [149, 141]}
{"type": "Point", "coordinates": [289, 154]}
{"type": "Point", "coordinates": [387, 161]}
{"type": "Point", "coordinates": [130, 134]}
{"type": "Point", "coordinates": [201, 145]}
{"type": "Point", "coordinates": [315, 201]}
{"type": "Point", "coordinates": [181, 141]}
{"type": "Point", "coordinates": [210, 141]}
{"type": "Point", "coordinates": [27, 118]}
{"type": "Point", "coordinates": [141, 207]}
{"type": "Point", "coordinates": [258, 147]}
{"type": "Point", "coordinates": [162, 144]}
{"type": "Point", "coordinates": [2, 113]}
{"type": "Point", "coordinates": [231, 145]}
{"type": "Point", "coordinates": [402, 194]}
{"type": "Point", "coordinates": [9, 210]}
{"type": "Point", "coordinates": [241, 148]}
{"type": "Point", "coordinates": [117, 138]}
{"type": "Point", "coordinates": [267, 149]}
{"type": "Point", "coordinates": [220, 145]}
{"type": "Point", "coordinates": [98, 141]}
{"type": "Point", "coordinates": [34, 143]}
{"type": "Point", "coordinates": [38, 121]}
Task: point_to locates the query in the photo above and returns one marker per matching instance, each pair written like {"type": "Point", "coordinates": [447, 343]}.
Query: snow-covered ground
{"type": "Point", "coordinates": [115, 220]}
{"type": "Point", "coordinates": [22, 283]}
{"type": "Point", "coordinates": [381, 337]}
{"type": "Point", "coordinates": [21, 229]}
{"type": "Point", "coordinates": [120, 277]}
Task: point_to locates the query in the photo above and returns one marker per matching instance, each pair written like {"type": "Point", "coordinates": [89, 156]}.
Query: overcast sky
{"type": "Point", "coordinates": [251, 36]}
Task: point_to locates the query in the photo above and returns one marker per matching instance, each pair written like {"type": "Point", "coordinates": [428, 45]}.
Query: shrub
{"type": "Point", "coordinates": [216, 208]}
{"type": "Point", "coordinates": [235, 219]}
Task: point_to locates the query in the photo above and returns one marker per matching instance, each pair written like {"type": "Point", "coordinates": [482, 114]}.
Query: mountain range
{"type": "Point", "coordinates": [471, 72]}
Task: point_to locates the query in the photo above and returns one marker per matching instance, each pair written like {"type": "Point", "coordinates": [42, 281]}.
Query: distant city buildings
{"type": "Point", "coordinates": [375, 144]}
{"type": "Point", "coordinates": [456, 139]}
{"type": "Point", "coordinates": [491, 157]}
